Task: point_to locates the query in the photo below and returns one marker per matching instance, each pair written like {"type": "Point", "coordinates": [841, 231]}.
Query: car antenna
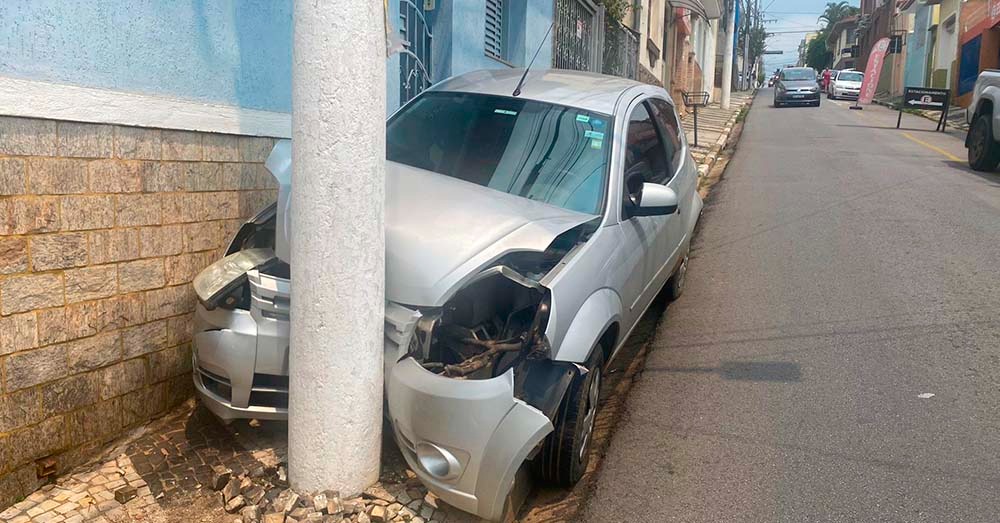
{"type": "Point", "coordinates": [517, 90]}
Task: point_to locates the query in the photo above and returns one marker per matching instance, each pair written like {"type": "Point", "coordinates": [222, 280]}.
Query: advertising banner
{"type": "Point", "coordinates": [875, 60]}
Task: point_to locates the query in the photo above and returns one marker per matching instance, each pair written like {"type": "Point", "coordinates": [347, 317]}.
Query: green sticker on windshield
{"type": "Point", "coordinates": [582, 118]}
{"type": "Point", "coordinates": [597, 135]}
{"type": "Point", "coordinates": [505, 111]}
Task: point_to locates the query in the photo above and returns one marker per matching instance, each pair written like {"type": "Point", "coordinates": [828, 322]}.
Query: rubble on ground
{"type": "Point", "coordinates": [263, 496]}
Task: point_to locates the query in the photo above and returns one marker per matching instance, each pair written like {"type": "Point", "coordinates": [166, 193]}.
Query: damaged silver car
{"type": "Point", "coordinates": [525, 236]}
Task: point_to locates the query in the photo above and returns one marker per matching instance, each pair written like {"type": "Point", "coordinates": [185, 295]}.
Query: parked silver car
{"type": "Point", "coordinates": [525, 236]}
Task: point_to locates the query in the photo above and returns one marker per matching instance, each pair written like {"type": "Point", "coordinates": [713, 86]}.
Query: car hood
{"type": "Point", "coordinates": [440, 232]}
{"type": "Point", "coordinates": [842, 83]}
{"type": "Point", "coordinates": [798, 84]}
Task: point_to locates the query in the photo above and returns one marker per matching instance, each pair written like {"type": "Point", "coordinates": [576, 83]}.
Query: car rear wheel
{"type": "Point", "coordinates": [984, 153]}
{"type": "Point", "coordinates": [675, 285]}
{"type": "Point", "coordinates": [565, 453]}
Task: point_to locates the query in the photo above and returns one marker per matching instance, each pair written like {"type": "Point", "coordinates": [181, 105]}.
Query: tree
{"type": "Point", "coordinates": [817, 55]}
{"type": "Point", "coordinates": [835, 12]}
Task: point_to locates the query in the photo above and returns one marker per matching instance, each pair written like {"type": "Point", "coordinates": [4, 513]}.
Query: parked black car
{"type": "Point", "coordinates": [796, 85]}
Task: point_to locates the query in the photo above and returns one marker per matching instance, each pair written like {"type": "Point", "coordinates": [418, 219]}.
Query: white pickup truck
{"type": "Point", "coordinates": [983, 140]}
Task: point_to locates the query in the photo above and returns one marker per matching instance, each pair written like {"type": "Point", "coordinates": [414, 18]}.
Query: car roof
{"type": "Point", "coordinates": [590, 91]}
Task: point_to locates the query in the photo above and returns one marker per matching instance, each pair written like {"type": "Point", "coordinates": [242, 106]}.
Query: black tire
{"type": "Point", "coordinates": [675, 285]}
{"type": "Point", "coordinates": [816, 104]}
{"type": "Point", "coordinates": [777, 104]}
{"type": "Point", "coordinates": [566, 452]}
{"type": "Point", "coordinates": [984, 152]}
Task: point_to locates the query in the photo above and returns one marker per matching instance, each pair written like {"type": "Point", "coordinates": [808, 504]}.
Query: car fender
{"type": "Point", "coordinates": [602, 309]}
{"type": "Point", "coordinates": [990, 93]}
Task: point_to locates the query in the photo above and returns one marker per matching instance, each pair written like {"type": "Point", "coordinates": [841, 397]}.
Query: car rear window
{"type": "Point", "coordinates": [545, 152]}
{"type": "Point", "coordinates": [850, 77]}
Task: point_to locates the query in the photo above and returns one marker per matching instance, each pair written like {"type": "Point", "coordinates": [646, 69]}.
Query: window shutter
{"type": "Point", "coordinates": [494, 28]}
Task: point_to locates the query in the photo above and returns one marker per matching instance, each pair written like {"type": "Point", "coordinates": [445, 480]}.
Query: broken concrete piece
{"type": "Point", "coordinates": [378, 514]}
{"type": "Point", "coordinates": [235, 504]}
{"type": "Point", "coordinates": [377, 492]}
{"type": "Point", "coordinates": [431, 499]}
{"type": "Point", "coordinates": [299, 513]}
{"type": "Point", "coordinates": [363, 518]}
{"type": "Point", "coordinates": [231, 490]}
{"type": "Point", "coordinates": [274, 517]}
{"type": "Point", "coordinates": [254, 495]}
{"type": "Point", "coordinates": [286, 501]}
{"type": "Point", "coordinates": [250, 514]}
{"type": "Point", "coordinates": [220, 476]}
{"type": "Point", "coordinates": [319, 502]}
{"type": "Point", "coordinates": [124, 494]}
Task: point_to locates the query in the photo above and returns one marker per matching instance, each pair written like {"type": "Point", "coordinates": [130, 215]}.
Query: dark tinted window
{"type": "Point", "coordinates": [545, 152]}
{"type": "Point", "coordinates": [644, 151]}
{"type": "Point", "coordinates": [666, 118]}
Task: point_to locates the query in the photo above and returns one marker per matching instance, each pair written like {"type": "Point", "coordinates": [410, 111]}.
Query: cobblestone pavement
{"type": "Point", "coordinates": [169, 464]}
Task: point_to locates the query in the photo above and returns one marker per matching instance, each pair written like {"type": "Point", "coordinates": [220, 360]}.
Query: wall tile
{"type": "Point", "coordinates": [57, 176]}
{"type": "Point", "coordinates": [58, 251]}
{"type": "Point", "coordinates": [91, 283]}
{"type": "Point", "coordinates": [30, 292]}
{"type": "Point", "coordinates": [84, 140]}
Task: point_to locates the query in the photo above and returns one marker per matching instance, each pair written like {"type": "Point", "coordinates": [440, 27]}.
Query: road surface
{"type": "Point", "coordinates": [843, 272]}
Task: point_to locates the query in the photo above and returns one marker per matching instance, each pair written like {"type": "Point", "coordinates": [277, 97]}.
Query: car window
{"type": "Point", "coordinates": [666, 119]}
{"type": "Point", "coordinates": [545, 152]}
{"type": "Point", "coordinates": [851, 77]}
{"type": "Point", "coordinates": [644, 150]}
{"type": "Point", "coordinates": [798, 74]}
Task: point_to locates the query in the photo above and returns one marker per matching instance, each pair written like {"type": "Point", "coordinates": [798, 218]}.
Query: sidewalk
{"type": "Point", "coordinates": [714, 128]}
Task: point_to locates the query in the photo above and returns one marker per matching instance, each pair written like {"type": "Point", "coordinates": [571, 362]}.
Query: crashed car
{"type": "Point", "coordinates": [526, 233]}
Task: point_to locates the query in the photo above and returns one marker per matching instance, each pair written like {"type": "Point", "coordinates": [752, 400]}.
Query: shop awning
{"type": "Point", "coordinates": [710, 9]}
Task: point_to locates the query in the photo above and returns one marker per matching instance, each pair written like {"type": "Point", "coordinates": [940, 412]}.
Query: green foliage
{"type": "Point", "coordinates": [835, 12]}
{"type": "Point", "coordinates": [817, 55]}
{"type": "Point", "coordinates": [616, 9]}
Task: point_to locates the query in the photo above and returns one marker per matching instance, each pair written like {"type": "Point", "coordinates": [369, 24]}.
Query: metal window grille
{"type": "Point", "coordinates": [579, 36]}
{"type": "Point", "coordinates": [494, 28]}
{"type": "Point", "coordinates": [415, 60]}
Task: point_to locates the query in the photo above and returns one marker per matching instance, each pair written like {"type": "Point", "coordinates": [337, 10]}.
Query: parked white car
{"type": "Point", "coordinates": [525, 237]}
{"type": "Point", "coordinates": [983, 117]}
{"type": "Point", "coordinates": [845, 84]}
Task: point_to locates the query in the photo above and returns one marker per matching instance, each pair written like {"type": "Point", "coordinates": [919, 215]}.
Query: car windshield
{"type": "Point", "coordinates": [850, 77]}
{"type": "Point", "coordinates": [545, 152]}
{"type": "Point", "coordinates": [798, 74]}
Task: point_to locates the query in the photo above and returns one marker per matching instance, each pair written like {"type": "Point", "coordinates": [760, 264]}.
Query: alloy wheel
{"type": "Point", "coordinates": [593, 396]}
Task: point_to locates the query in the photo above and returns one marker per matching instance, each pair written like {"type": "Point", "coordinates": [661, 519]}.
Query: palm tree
{"type": "Point", "coordinates": [836, 11]}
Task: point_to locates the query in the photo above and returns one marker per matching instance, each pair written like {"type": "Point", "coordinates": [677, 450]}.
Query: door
{"type": "Point", "coordinates": [643, 237]}
{"type": "Point", "coordinates": [679, 178]}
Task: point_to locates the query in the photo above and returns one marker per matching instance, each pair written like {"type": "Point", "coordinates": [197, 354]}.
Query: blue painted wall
{"type": "Point", "coordinates": [231, 52]}
{"type": "Point", "coordinates": [916, 49]}
{"type": "Point", "coordinates": [459, 28]}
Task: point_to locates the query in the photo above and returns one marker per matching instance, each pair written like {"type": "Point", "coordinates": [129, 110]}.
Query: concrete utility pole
{"type": "Point", "coordinates": [727, 58]}
{"type": "Point", "coordinates": [710, 48]}
{"type": "Point", "coordinates": [337, 245]}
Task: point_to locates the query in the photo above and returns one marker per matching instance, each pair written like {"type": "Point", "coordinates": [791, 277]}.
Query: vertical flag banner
{"type": "Point", "coordinates": [873, 70]}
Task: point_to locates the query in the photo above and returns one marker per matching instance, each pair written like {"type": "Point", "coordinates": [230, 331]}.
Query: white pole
{"type": "Point", "coordinates": [337, 245]}
{"type": "Point", "coordinates": [727, 58]}
{"type": "Point", "coordinates": [709, 66]}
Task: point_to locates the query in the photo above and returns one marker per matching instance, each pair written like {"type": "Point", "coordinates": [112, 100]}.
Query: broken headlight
{"type": "Point", "coordinates": [222, 284]}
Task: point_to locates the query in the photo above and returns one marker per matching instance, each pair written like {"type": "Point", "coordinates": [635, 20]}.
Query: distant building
{"type": "Point", "coordinates": [804, 47]}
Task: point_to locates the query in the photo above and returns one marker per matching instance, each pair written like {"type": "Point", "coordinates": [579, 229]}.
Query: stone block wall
{"type": "Point", "coordinates": [102, 229]}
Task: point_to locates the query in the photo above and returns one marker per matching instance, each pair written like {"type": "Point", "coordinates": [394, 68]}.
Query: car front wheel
{"type": "Point", "coordinates": [565, 453]}
{"type": "Point", "coordinates": [984, 153]}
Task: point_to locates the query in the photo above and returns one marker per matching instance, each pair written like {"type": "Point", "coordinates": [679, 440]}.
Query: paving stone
{"type": "Point", "coordinates": [123, 495]}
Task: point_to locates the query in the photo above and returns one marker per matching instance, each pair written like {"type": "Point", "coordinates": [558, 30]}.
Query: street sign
{"type": "Point", "coordinates": [927, 99]}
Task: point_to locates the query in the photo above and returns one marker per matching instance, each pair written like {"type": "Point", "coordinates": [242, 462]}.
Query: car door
{"type": "Point", "coordinates": [682, 179]}
{"type": "Point", "coordinates": [644, 153]}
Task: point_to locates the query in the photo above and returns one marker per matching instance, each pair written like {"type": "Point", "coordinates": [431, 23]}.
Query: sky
{"type": "Point", "coordinates": [790, 15]}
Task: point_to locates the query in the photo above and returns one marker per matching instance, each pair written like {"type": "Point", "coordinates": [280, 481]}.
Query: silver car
{"type": "Point", "coordinates": [525, 236]}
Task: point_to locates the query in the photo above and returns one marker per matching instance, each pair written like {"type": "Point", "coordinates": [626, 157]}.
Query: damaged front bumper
{"type": "Point", "coordinates": [465, 439]}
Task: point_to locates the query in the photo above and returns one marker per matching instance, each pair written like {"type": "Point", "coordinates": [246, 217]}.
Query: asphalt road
{"type": "Point", "coordinates": [842, 269]}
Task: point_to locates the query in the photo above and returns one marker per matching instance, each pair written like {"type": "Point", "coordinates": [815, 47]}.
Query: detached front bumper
{"type": "Point", "coordinates": [465, 439]}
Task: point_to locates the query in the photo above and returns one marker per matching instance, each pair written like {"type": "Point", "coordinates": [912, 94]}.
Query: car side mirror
{"type": "Point", "coordinates": [654, 200]}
